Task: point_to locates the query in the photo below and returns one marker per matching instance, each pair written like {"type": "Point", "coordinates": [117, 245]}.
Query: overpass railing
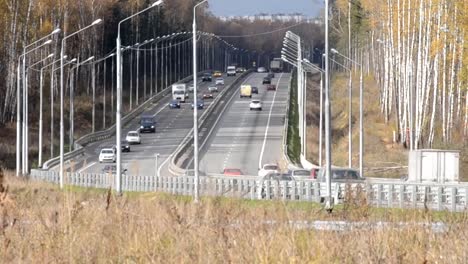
{"type": "Point", "coordinates": [451, 197]}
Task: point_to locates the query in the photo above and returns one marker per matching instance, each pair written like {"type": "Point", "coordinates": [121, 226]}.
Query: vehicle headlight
{"type": "Point", "coordinates": [142, 127]}
{"type": "Point", "coordinates": [152, 126]}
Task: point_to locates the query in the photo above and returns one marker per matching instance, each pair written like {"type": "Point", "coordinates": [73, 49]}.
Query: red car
{"type": "Point", "coordinates": [271, 87]}
{"type": "Point", "coordinates": [232, 172]}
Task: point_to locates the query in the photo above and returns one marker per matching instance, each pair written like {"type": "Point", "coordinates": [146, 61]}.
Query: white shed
{"type": "Point", "coordinates": [433, 165]}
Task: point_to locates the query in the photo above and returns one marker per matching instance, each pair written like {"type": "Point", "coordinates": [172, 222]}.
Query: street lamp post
{"type": "Point", "coordinates": [72, 100]}
{"type": "Point", "coordinates": [118, 126]}
{"type": "Point", "coordinates": [361, 112]}
{"type": "Point", "coordinates": [41, 81]}
{"type": "Point", "coordinates": [21, 131]}
{"type": "Point", "coordinates": [62, 51]}
{"type": "Point", "coordinates": [195, 103]}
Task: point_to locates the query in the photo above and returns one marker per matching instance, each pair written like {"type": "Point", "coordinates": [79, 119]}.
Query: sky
{"type": "Point", "coordinates": [252, 7]}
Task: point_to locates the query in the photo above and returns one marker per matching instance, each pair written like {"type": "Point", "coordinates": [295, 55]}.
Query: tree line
{"type": "Point", "coordinates": [24, 21]}
{"type": "Point", "coordinates": [417, 53]}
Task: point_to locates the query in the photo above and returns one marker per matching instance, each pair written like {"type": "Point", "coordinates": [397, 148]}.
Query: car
{"type": "Point", "coordinates": [268, 168]}
{"type": "Point", "coordinates": [107, 154]}
{"type": "Point", "coordinates": [112, 169]}
{"type": "Point", "coordinates": [340, 175]}
{"type": "Point", "coordinates": [232, 172]}
{"type": "Point", "coordinates": [279, 178]}
{"type": "Point", "coordinates": [255, 105]}
{"type": "Point", "coordinates": [200, 103]}
{"type": "Point", "coordinates": [213, 89]}
{"type": "Point", "coordinates": [261, 69]}
{"type": "Point", "coordinates": [191, 173]}
{"type": "Point", "coordinates": [174, 104]}
{"type": "Point", "coordinates": [133, 137]}
{"type": "Point", "coordinates": [266, 80]}
{"type": "Point", "coordinates": [242, 69]}
{"type": "Point", "coordinates": [271, 75]}
{"type": "Point", "coordinates": [271, 87]}
{"type": "Point", "coordinates": [207, 96]}
{"type": "Point", "coordinates": [300, 174]}
{"type": "Point", "coordinates": [147, 123]}
{"type": "Point", "coordinates": [231, 70]}
{"type": "Point", "coordinates": [125, 147]}
{"type": "Point", "coordinates": [217, 74]}
{"type": "Point", "coordinates": [207, 77]}
{"type": "Point", "coordinates": [254, 90]}
{"type": "Point", "coordinates": [219, 81]}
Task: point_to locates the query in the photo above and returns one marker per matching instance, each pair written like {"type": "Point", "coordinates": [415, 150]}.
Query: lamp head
{"type": "Point", "coordinates": [73, 60]}
{"type": "Point", "coordinates": [48, 42]}
{"type": "Point", "coordinates": [111, 55]}
{"type": "Point", "coordinates": [89, 59]}
{"type": "Point", "coordinates": [157, 3]}
{"type": "Point", "coordinates": [97, 21]}
{"type": "Point", "coordinates": [50, 56]}
{"type": "Point", "coordinates": [56, 31]}
{"type": "Point", "coordinates": [334, 51]}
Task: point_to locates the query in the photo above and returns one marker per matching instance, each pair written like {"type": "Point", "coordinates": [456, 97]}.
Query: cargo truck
{"type": "Point", "coordinates": [276, 65]}
{"type": "Point", "coordinates": [179, 92]}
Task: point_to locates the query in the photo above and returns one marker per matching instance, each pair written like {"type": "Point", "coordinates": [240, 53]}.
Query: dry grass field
{"type": "Point", "coordinates": [41, 224]}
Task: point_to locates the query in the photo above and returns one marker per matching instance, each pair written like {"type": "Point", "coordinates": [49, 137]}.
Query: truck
{"type": "Point", "coordinates": [246, 91]}
{"type": "Point", "coordinates": [231, 70]}
{"type": "Point", "coordinates": [276, 65]}
{"type": "Point", "coordinates": [179, 92]}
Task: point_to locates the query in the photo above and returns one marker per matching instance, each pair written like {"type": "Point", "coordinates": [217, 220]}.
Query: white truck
{"type": "Point", "coordinates": [231, 71]}
{"type": "Point", "coordinates": [179, 92]}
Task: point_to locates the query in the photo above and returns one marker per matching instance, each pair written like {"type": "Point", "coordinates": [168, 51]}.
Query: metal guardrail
{"type": "Point", "coordinates": [109, 132]}
{"type": "Point", "coordinates": [451, 197]}
{"type": "Point", "coordinates": [176, 165]}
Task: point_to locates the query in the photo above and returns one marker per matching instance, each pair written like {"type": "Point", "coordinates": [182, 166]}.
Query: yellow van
{"type": "Point", "coordinates": [246, 91]}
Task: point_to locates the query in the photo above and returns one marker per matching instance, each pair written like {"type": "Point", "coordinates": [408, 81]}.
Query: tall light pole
{"type": "Point", "coordinates": [195, 108]}
{"type": "Point", "coordinates": [62, 53]}
{"type": "Point", "coordinates": [118, 125]}
{"type": "Point", "coordinates": [328, 158]}
{"type": "Point", "coordinates": [350, 113]}
{"type": "Point", "coordinates": [24, 141]}
{"type": "Point", "coordinates": [361, 112]}
{"type": "Point", "coordinates": [72, 101]}
{"type": "Point", "coordinates": [40, 104]}
{"type": "Point", "coordinates": [21, 131]}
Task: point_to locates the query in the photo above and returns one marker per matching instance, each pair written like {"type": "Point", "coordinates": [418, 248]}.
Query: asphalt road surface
{"type": "Point", "coordinates": [172, 127]}
{"type": "Point", "coordinates": [246, 139]}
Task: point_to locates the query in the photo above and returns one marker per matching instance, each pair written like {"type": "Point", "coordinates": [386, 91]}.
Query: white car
{"type": "Point", "coordinates": [268, 168]}
{"type": "Point", "coordinates": [255, 105]}
{"type": "Point", "coordinates": [213, 89]}
{"type": "Point", "coordinates": [107, 154]}
{"type": "Point", "coordinates": [261, 69]}
{"type": "Point", "coordinates": [219, 81]}
{"type": "Point", "coordinates": [133, 137]}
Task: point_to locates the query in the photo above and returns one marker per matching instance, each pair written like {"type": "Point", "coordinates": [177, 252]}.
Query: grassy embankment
{"type": "Point", "coordinates": [41, 223]}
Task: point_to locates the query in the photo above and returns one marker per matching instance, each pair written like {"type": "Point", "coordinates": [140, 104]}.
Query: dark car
{"type": "Point", "coordinates": [147, 124]}
{"type": "Point", "coordinates": [271, 75]}
{"type": "Point", "coordinates": [123, 145]}
{"type": "Point", "coordinates": [207, 77]}
{"type": "Point", "coordinates": [255, 90]}
{"type": "Point", "coordinates": [200, 103]}
{"type": "Point", "coordinates": [266, 80]}
{"type": "Point", "coordinates": [174, 104]}
{"type": "Point", "coordinates": [271, 87]}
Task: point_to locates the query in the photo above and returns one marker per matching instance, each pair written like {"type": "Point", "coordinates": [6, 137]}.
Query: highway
{"type": "Point", "coordinates": [246, 139]}
{"type": "Point", "coordinates": [172, 127]}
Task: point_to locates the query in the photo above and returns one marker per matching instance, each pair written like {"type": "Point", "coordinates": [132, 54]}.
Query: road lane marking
{"type": "Point", "coordinates": [268, 125]}
{"type": "Point", "coordinates": [87, 167]}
